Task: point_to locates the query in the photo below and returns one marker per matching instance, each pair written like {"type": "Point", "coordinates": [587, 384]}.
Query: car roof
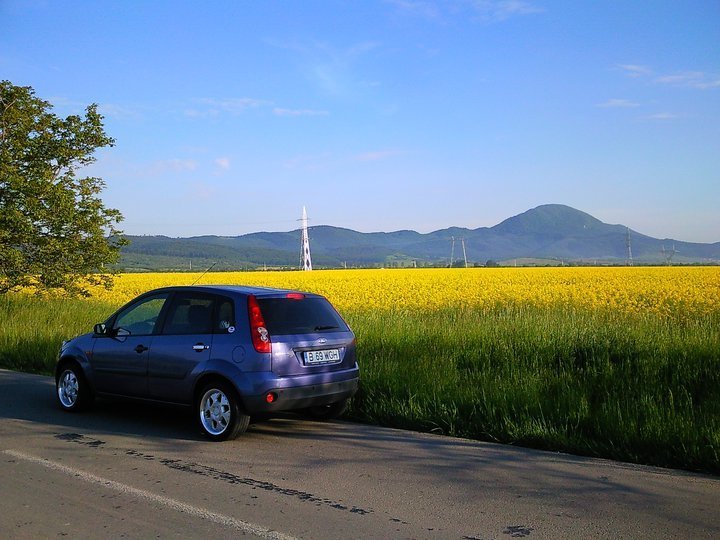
{"type": "Point", "coordinates": [237, 289]}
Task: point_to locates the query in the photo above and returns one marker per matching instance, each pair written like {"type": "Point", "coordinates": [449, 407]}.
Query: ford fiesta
{"type": "Point", "coordinates": [226, 351]}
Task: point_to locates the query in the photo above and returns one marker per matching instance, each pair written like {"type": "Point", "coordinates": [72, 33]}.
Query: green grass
{"type": "Point", "coordinates": [32, 328]}
{"type": "Point", "coordinates": [638, 389]}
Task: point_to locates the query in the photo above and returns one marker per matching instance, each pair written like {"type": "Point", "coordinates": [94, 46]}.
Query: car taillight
{"type": "Point", "coordinates": [258, 331]}
{"type": "Point", "coordinates": [295, 296]}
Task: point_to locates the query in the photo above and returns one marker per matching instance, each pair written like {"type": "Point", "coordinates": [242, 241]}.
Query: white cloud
{"type": "Point", "coordinates": [278, 111]}
{"type": "Point", "coordinates": [361, 48]}
{"type": "Point", "coordinates": [329, 67]}
{"type": "Point", "coordinates": [689, 79]}
{"type": "Point", "coordinates": [200, 190]}
{"type": "Point", "coordinates": [662, 116]}
{"type": "Point", "coordinates": [330, 78]}
{"type": "Point", "coordinates": [634, 70]}
{"type": "Point", "coordinates": [421, 8]}
{"type": "Point", "coordinates": [67, 106]}
{"type": "Point", "coordinates": [500, 10]}
{"type": "Point", "coordinates": [195, 113]}
{"type": "Point", "coordinates": [223, 163]}
{"type": "Point", "coordinates": [211, 107]}
{"type": "Point", "coordinates": [308, 162]}
{"type": "Point", "coordinates": [112, 110]}
{"type": "Point", "coordinates": [118, 111]}
{"type": "Point", "coordinates": [163, 166]}
{"type": "Point", "coordinates": [174, 165]}
{"type": "Point", "coordinates": [617, 103]}
{"type": "Point", "coordinates": [484, 10]}
{"type": "Point", "coordinates": [376, 155]}
{"type": "Point", "coordinates": [693, 79]}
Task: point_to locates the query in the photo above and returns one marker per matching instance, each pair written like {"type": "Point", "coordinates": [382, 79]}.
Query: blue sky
{"type": "Point", "coordinates": [229, 116]}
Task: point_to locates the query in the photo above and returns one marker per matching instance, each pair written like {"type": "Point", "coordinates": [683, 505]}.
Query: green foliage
{"type": "Point", "coordinates": [54, 228]}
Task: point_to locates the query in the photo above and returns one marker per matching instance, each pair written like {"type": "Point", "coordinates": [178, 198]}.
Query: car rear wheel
{"type": "Point", "coordinates": [328, 412]}
{"type": "Point", "coordinates": [219, 412]}
{"type": "Point", "coordinates": [73, 392]}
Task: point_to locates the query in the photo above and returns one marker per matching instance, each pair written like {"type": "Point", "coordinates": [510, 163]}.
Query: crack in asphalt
{"type": "Point", "coordinates": [80, 439]}
{"type": "Point", "coordinates": [216, 474]}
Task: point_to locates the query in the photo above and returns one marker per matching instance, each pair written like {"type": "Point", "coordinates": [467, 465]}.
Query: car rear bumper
{"type": "Point", "coordinates": [300, 397]}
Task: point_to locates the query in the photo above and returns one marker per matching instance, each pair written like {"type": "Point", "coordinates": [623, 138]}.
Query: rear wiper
{"type": "Point", "coordinates": [327, 327]}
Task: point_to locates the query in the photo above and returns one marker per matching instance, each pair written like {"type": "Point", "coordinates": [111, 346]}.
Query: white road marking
{"type": "Point", "coordinates": [178, 506]}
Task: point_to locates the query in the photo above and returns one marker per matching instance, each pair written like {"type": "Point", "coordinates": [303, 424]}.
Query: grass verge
{"type": "Point", "coordinates": [636, 388]}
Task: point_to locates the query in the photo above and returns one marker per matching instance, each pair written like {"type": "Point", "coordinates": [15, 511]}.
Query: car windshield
{"type": "Point", "coordinates": [300, 316]}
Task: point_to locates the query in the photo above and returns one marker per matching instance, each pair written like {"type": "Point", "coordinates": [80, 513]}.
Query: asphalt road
{"type": "Point", "coordinates": [135, 471]}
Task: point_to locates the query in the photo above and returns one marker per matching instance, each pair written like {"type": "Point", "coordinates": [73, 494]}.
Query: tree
{"type": "Point", "coordinates": [55, 232]}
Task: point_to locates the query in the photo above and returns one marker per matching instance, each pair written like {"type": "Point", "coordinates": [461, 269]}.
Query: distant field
{"type": "Point", "coordinates": [614, 362]}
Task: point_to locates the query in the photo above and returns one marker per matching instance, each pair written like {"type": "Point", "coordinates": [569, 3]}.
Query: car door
{"type": "Point", "coordinates": [184, 342]}
{"type": "Point", "coordinates": [119, 358]}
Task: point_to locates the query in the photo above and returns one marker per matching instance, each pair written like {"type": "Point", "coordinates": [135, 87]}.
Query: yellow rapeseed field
{"type": "Point", "coordinates": [665, 291]}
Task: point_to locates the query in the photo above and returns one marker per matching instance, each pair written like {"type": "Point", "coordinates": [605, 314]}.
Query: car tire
{"type": "Point", "coordinates": [328, 412]}
{"type": "Point", "coordinates": [219, 413]}
{"type": "Point", "coordinates": [72, 390]}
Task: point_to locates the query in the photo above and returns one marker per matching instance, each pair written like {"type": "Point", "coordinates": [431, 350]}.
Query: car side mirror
{"type": "Point", "coordinates": [100, 329]}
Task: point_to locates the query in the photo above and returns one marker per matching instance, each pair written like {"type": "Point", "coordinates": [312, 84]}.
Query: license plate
{"type": "Point", "coordinates": [322, 357]}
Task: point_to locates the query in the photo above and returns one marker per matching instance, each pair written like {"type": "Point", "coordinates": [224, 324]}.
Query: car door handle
{"type": "Point", "coordinates": [140, 349]}
{"type": "Point", "coordinates": [199, 347]}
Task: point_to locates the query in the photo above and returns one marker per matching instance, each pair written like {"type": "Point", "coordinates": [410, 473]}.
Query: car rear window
{"type": "Point", "coordinates": [300, 316]}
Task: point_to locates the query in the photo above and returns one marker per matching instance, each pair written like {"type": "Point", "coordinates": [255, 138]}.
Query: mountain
{"type": "Point", "coordinates": [547, 234]}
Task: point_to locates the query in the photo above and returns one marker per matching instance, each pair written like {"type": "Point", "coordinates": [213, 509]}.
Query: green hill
{"type": "Point", "coordinates": [551, 232]}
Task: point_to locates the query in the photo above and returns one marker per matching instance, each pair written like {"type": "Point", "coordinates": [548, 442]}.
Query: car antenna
{"type": "Point", "coordinates": [205, 272]}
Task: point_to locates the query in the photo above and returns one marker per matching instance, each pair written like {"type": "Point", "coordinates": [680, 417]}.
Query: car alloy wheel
{"type": "Point", "coordinates": [68, 389]}
{"type": "Point", "coordinates": [219, 413]}
{"type": "Point", "coordinates": [73, 392]}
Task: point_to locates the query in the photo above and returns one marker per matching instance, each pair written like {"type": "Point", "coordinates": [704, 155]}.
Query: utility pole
{"type": "Point", "coordinates": [452, 252]}
{"type": "Point", "coordinates": [462, 241]}
{"type": "Point", "coordinates": [629, 260]}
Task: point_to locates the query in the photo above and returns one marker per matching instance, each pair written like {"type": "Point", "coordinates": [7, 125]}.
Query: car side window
{"type": "Point", "coordinates": [190, 314]}
{"type": "Point", "coordinates": [226, 316]}
{"type": "Point", "coordinates": [140, 318]}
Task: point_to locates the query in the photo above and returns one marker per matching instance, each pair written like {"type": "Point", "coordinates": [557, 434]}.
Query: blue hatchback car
{"type": "Point", "coordinates": [227, 351]}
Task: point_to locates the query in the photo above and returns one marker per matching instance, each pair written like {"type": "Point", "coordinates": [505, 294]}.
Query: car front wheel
{"type": "Point", "coordinates": [219, 412]}
{"type": "Point", "coordinates": [73, 392]}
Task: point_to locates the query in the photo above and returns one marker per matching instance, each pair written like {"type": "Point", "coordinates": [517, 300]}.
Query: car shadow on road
{"type": "Point", "coordinates": [32, 398]}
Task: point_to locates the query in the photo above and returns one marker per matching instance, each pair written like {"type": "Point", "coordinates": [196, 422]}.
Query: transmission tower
{"type": "Point", "coordinates": [305, 260]}
{"type": "Point", "coordinates": [669, 253]}
{"type": "Point", "coordinates": [629, 260]}
{"type": "Point", "coordinates": [452, 251]}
